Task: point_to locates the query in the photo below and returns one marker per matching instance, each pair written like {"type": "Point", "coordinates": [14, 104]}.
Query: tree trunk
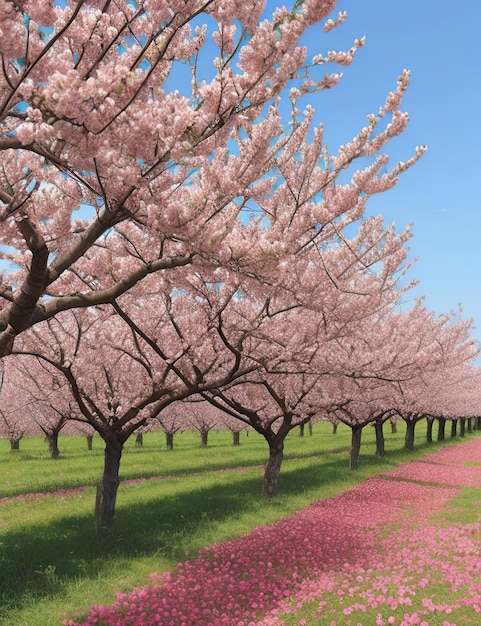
{"type": "Point", "coordinates": [204, 436]}
{"type": "Point", "coordinates": [139, 440]}
{"type": "Point", "coordinates": [107, 489]}
{"type": "Point", "coordinates": [310, 428]}
{"type": "Point", "coordinates": [52, 440]}
{"type": "Point", "coordinates": [429, 430]}
{"type": "Point", "coordinates": [393, 427]}
{"type": "Point", "coordinates": [462, 426]}
{"type": "Point", "coordinates": [379, 439]}
{"type": "Point", "coordinates": [478, 423]}
{"type": "Point", "coordinates": [334, 428]}
{"type": "Point", "coordinates": [301, 430]}
{"type": "Point", "coordinates": [272, 469]}
{"type": "Point", "coordinates": [90, 438]}
{"type": "Point", "coordinates": [169, 441]}
{"type": "Point", "coordinates": [15, 443]}
{"type": "Point", "coordinates": [409, 439]}
{"type": "Point", "coordinates": [355, 447]}
{"type": "Point", "coordinates": [441, 428]}
{"type": "Point", "coordinates": [454, 428]}
{"type": "Point", "coordinates": [469, 425]}
{"type": "Point", "coordinates": [236, 438]}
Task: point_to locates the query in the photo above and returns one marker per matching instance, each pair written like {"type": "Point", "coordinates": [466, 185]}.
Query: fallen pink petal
{"type": "Point", "coordinates": [372, 547]}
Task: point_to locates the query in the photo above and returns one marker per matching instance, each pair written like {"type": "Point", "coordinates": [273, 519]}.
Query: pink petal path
{"type": "Point", "coordinates": [373, 547]}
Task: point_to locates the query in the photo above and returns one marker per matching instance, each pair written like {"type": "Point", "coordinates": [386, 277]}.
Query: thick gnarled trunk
{"type": "Point", "coordinates": [52, 440]}
{"type": "Point", "coordinates": [107, 489]}
{"type": "Point", "coordinates": [273, 468]}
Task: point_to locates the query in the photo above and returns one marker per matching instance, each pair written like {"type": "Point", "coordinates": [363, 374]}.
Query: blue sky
{"type": "Point", "coordinates": [441, 195]}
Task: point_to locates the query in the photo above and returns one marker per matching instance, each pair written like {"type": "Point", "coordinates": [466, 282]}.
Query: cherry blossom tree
{"type": "Point", "coordinates": [357, 403]}
{"type": "Point", "coordinates": [235, 426]}
{"type": "Point", "coordinates": [202, 417]}
{"type": "Point", "coordinates": [111, 174]}
{"type": "Point", "coordinates": [122, 374]}
{"type": "Point", "coordinates": [171, 421]}
{"type": "Point", "coordinates": [47, 398]}
{"type": "Point", "coordinates": [15, 409]}
{"type": "Point", "coordinates": [303, 339]}
{"type": "Point", "coordinates": [270, 411]}
{"type": "Point", "coordinates": [446, 348]}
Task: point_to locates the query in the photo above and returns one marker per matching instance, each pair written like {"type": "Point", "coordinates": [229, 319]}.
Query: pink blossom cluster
{"type": "Point", "coordinates": [336, 548]}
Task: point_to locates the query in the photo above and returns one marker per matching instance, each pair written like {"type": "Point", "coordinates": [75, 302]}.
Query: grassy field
{"type": "Point", "coordinates": [52, 565]}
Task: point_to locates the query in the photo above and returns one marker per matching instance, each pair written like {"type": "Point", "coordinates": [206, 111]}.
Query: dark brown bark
{"type": "Point", "coordinates": [409, 439]}
{"type": "Point", "coordinates": [107, 489]}
{"type": "Point", "coordinates": [393, 427]}
{"type": "Point", "coordinates": [139, 440]}
{"type": "Point", "coordinates": [469, 425]}
{"type": "Point", "coordinates": [380, 451]}
{"type": "Point", "coordinates": [18, 314]}
{"type": "Point", "coordinates": [52, 440]}
{"type": "Point", "coordinates": [169, 441]}
{"type": "Point", "coordinates": [301, 430]}
{"type": "Point", "coordinates": [204, 437]}
{"type": "Point", "coordinates": [272, 468]}
{"type": "Point", "coordinates": [355, 446]}
{"type": "Point", "coordinates": [236, 438]}
{"type": "Point", "coordinates": [15, 443]}
{"type": "Point", "coordinates": [441, 428]}
{"type": "Point", "coordinates": [454, 428]}
{"type": "Point", "coordinates": [334, 428]}
{"type": "Point", "coordinates": [462, 426]}
{"type": "Point", "coordinates": [429, 430]}
{"type": "Point", "coordinates": [89, 442]}
{"type": "Point", "coordinates": [310, 428]}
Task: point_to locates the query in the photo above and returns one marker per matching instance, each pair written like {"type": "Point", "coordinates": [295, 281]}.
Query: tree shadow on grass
{"type": "Point", "coordinates": [41, 560]}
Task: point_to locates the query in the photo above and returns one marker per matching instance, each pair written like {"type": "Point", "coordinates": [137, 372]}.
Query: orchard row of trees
{"type": "Point", "coordinates": [170, 238]}
{"type": "Point", "coordinates": [268, 364]}
{"type": "Point", "coordinates": [200, 417]}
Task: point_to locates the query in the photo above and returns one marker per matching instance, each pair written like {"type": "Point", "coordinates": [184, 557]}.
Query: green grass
{"type": "Point", "coordinates": [52, 565]}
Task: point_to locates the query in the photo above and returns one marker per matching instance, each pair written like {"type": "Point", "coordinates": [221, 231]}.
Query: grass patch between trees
{"type": "Point", "coordinates": [52, 564]}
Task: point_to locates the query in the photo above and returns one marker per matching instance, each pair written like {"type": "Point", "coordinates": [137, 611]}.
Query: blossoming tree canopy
{"type": "Point", "coordinates": [113, 167]}
{"type": "Point", "coordinates": [125, 364]}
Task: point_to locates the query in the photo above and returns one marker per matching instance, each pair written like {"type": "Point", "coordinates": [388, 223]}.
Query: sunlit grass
{"type": "Point", "coordinates": [52, 565]}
